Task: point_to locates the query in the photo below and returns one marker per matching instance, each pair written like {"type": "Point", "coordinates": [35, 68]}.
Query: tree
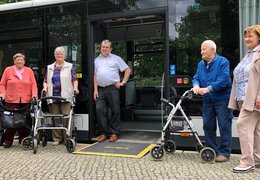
{"type": "Point", "coordinates": [10, 1]}
{"type": "Point", "coordinates": [206, 19]}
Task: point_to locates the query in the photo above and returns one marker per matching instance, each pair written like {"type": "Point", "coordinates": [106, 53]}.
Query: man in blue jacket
{"type": "Point", "coordinates": [212, 81]}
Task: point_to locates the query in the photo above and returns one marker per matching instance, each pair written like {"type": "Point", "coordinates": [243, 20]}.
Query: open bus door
{"type": "Point", "coordinates": [139, 38]}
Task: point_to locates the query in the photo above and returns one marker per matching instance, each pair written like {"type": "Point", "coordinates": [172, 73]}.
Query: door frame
{"type": "Point", "coordinates": [91, 50]}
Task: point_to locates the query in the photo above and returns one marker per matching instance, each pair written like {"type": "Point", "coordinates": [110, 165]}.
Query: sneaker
{"type": "Point", "coordinates": [245, 169]}
{"type": "Point", "coordinates": [56, 143]}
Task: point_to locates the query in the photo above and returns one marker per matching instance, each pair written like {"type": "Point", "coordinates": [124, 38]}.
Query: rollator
{"type": "Point", "coordinates": [45, 121]}
{"type": "Point", "coordinates": [180, 126]}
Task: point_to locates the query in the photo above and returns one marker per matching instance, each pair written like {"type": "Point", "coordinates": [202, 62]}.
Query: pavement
{"type": "Point", "coordinates": [54, 162]}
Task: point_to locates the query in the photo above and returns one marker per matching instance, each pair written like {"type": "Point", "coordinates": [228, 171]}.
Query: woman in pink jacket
{"type": "Point", "coordinates": [17, 87]}
{"type": "Point", "coordinates": [245, 96]}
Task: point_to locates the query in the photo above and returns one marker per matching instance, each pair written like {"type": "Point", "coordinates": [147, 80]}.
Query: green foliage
{"type": "Point", "coordinates": [205, 19]}
{"type": "Point", "coordinates": [11, 1]}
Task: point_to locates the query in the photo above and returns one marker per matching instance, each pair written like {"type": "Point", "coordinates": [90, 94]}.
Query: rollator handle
{"type": "Point", "coordinates": [165, 100]}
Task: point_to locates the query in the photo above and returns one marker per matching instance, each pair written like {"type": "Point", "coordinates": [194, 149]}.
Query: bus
{"type": "Point", "coordinates": [159, 40]}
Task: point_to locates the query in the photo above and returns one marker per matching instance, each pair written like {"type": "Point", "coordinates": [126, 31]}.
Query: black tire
{"type": "Point", "coordinates": [70, 145]}
{"type": "Point", "coordinates": [1, 139]}
{"type": "Point", "coordinates": [35, 145]}
{"type": "Point", "coordinates": [157, 153]}
{"type": "Point", "coordinates": [38, 139]}
{"type": "Point", "coordinates": [207, 154]}
{"type": "Point", "coordinates": [44, 140]}
{"type": "Point", "coordinates": [27, 143]}
{"type": "Point", "coordinates": [75, 135]}
{"type": "Point", "coordinates": [170, 146]}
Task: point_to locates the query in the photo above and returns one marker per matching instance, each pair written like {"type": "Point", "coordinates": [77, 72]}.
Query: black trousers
{"type": "Point", "coordinates": [108, 110]}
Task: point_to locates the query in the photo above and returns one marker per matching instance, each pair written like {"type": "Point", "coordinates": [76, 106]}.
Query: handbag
{"type": "Point", "coordinates": [13, 119]}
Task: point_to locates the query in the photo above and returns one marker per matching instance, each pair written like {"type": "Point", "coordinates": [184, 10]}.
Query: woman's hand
{"type": "Point", "coordinates": [257, 103]}
{"type": "Point", "coordinates": [76, 91]}
{"type": "Point", "coordinates": [2, 97]}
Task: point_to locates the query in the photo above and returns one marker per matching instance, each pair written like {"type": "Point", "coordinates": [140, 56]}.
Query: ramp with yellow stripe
{"type": "Point", "coordinates": [119, 149]}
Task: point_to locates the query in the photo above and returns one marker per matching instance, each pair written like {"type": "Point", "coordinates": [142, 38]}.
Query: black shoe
{"type": "Point", "coordinates": [7, 145]}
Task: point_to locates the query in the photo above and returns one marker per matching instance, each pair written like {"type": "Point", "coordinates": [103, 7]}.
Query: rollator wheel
{"type": "Point", "coordinates": [35, 145]}
{"type": "Point", "coordinates": [27, 143]}
{"type": "Point", "coordinates": [207, 154]}
{"type": "Point", "coordinates": [70, 145]}
{"type": "Point", "coordinates": [38, 139]}
{"type": "Point", "coordinates": [44, 140]}
{"type": "Point", "coordinates": [1, 139]}
{"type": "Point", "coordinates": [157, 153]}
{"type": "Point", "coordinates": [170, 146]}
{"type": "Point", "coordinates": [74, 134]}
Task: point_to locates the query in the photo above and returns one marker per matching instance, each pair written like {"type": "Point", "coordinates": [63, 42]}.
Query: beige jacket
{"type": "Point", "coordinates": [253, 89]}
{"type": "Point", "coordinates": [65, 81]}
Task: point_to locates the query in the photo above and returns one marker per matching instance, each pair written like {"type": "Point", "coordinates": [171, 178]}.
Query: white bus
{"type": "Point", "coordinates": [154, 38]}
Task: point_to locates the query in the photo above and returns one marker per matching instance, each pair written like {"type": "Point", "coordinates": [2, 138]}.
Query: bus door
{"type": "Point", "coordinates": [140, 40]}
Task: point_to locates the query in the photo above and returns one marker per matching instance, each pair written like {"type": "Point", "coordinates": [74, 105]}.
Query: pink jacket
{"type": "Point", "coordinates": [15, 90]}
{"type": "Point", "coordinates": [253, 89]}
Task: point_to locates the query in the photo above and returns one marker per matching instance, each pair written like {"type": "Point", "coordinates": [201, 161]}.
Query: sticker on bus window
{"type": "Point", "coordinates": [172, 69]}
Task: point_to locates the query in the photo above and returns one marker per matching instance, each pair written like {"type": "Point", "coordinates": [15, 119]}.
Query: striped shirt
{"type": "Point", "coordinates": [241, 73]}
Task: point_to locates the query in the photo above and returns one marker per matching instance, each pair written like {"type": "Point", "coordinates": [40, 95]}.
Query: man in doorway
{"type": "Point", "coordinates": [106, 90]}
{"type": "Point", "coordinates": [212, 81]}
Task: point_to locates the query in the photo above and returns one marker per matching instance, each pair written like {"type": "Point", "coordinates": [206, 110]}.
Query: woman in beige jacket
{"type": "Point", "coordinates": [245, 96]}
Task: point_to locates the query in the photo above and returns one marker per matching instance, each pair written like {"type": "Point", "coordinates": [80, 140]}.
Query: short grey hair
{"type": "Point", "coordinates": [106, 41]}
{"type": "Point", "coordinates": [17, 55]}
{"type": "Point", "coordinates": [211, 44]}
{"type": "Point", "coordinates": [59, 49]}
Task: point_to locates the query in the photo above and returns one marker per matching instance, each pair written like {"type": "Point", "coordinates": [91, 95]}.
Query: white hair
{"type": "Point", "coordinates": [59, 49]}
{"type": "Point", "coordinates": [210, 44]}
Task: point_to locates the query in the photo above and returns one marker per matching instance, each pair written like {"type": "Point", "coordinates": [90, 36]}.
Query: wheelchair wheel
{"type": "Point", "coordinates": [27, 143]}
{"type": "Point", "coordinates": [35, 145]}
{"type": "Point", "coordinates": [157, 153]}
{"type": "Point", "coordinates": [70, 145]}
{"type": "Point", "coordinates": [207, 154]}
{"type": "Point", "coordinates": [170, 146]}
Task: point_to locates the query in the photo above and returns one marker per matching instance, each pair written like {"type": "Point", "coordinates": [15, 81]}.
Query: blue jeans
{"type": "Point", "coordinates": [218, 113]}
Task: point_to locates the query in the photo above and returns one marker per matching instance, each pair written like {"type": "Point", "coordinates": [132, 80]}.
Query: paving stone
{"type": "Point", "coordinates": [54, 162]}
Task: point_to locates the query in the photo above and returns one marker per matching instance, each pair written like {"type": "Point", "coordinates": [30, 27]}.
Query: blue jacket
{"type": "Point", "coordinates": [217, 76]}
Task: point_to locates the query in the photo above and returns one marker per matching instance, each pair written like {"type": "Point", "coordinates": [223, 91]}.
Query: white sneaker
{"type": "Point", "coordinates": [55, 143]}
{"type": "Point", "coordinates": [243, 170]}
